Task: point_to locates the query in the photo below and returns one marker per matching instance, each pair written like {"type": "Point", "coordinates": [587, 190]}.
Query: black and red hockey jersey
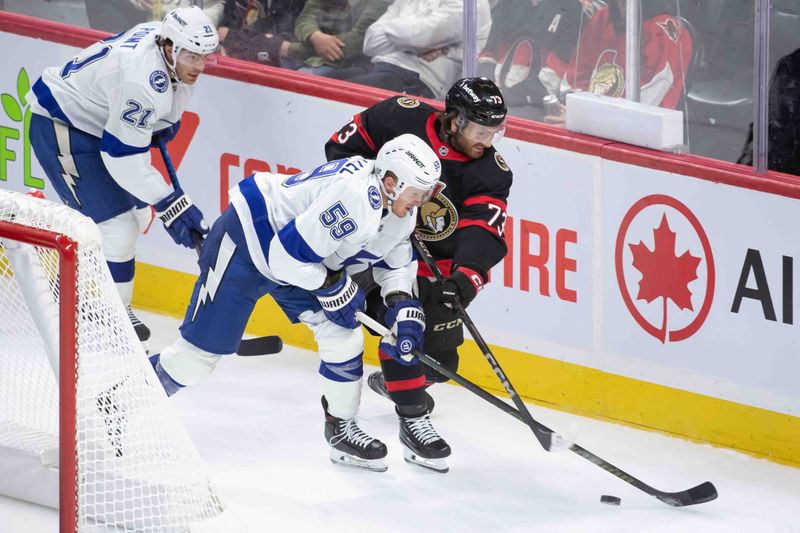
{"type": "Point", "coordinates": [463, 223]}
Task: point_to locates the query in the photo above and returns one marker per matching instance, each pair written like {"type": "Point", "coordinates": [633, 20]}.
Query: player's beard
{"type": "Point", "coordinates": [468, 148]}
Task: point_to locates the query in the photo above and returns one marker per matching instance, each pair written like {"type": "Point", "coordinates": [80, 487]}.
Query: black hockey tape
{"type": "Point", "coordinates": [610, 500]}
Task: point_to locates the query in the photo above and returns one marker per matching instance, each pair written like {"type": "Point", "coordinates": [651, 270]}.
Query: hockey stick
{"type": "Point", "coordinates": [542, 433]}
{"type": "Point", "coordinates": [248, 347]}
{"type": "Point", "coordinates": [704, 492]}
{"type": "Point", "coordinates": [197, 238]}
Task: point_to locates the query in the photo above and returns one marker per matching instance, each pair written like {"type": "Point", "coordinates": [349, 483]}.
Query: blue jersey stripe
{"type": "Point", "coordinates": [116, 148]}
{"type": "Point", "coordinates": [258, 213]}
{"type": "Point", "coordinates": [48, 101]}
{"type": "Point", "coordinates": [296, 246]}
{"type": "Point", "coordinates": [345, 372]}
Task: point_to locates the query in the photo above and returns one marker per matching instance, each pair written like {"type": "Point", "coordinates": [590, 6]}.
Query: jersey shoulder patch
{"type": "Point", "coordinates": [374, 197]}
{"type": "Point", "coordinates": [159, 81]}
{"type": "Point", "coordinates": [407, 102]}
{"type": "Point", "coordinates": [501, 162]}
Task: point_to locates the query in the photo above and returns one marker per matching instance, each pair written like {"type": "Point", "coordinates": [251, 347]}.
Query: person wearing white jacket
{"type": "Point", "coordinates": [417, 45]}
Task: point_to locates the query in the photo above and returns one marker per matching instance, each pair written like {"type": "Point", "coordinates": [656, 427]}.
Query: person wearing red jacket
{"type": "Point", "coordinates": [598, 62]}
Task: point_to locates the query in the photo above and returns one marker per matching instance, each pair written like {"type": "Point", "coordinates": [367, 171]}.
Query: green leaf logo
{"type": "Point", "coordinates": [23, 86]}
{"type": "Point", "coordinates": [11, 107]}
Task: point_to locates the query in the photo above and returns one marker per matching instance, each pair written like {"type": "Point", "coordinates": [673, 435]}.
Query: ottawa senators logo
{"type": "Point", "coordinates": [608, 78]}
{"type": "Point", "coordinates": [501, 162]}
{"type": "Point", "coordinates": [407, 102]}
{"type": "Point", "coordinates": [438, 218]}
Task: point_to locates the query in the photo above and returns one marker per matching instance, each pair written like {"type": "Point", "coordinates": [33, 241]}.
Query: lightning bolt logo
{"type": "Point", "coordinates": [208, 290]}
{"type": "Point", "coordinates": [68, 170]}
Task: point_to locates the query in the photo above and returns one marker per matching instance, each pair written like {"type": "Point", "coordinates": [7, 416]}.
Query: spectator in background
{"type": "Point", "coordinates": [529, 47]}
{"type": "Point", "coordinates": [119, 15]}
{"type": "Point", "coordinates": [598, 64]}
{"type": "Point", "coordinates": [259, 30]}
{"type": "Point", "coordinates": [416, 46]}
{"type": "Point", "coordinates": [330, 36]}
{"type": "Point", "coordinates": [784, 119]}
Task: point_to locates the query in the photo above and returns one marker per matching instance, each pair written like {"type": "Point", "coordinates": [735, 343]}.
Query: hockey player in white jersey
{"type": "Point", "coordinates": [300, 238]}
{"type": "Point", "coordinates": [95, 118]}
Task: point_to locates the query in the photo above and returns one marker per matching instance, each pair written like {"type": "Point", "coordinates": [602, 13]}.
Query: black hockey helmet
{"type": "Point", "coordinates": [478, 99]}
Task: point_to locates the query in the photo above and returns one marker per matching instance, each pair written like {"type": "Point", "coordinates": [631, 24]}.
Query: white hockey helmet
{"type": "Point", "coordinates": [189, 29]}
{"type": "Point", "coordinates": [412, 162]}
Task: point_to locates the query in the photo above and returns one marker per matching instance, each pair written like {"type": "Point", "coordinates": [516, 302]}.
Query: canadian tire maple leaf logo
{"type": "Point", "coordinates": [664, 275]}
{"type": "Point", "coordinates": [646, 274]}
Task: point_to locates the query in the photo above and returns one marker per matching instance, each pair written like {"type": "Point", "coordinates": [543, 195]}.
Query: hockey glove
{"type": "Point", "coordinates": [167, 134]}
{"type": "Point", "coordinates": [406, 319]}
{"type": "Point", "coordinates": [463, 285]}
{"type": "Point", "coordinates": [182, 219]}
{"type": "Point", "coordinates": [340, 300]}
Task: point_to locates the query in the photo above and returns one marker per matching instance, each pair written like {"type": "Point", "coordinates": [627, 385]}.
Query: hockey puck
{"type": "Point", "coordinates": [610, 500]}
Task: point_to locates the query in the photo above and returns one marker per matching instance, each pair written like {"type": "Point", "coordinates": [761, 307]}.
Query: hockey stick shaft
{"type": "Point", "coordinates": [701, 493]}
{"type": "Point", "coordinates": [542, 434]}
{"type": "Point", "coordinates": [197, 238]}
{"type": "Point", "coordinates": [248, 347]}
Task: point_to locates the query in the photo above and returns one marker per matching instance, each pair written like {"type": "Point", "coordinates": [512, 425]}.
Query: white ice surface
{"type": "Point", "coordinates": [257, 422]}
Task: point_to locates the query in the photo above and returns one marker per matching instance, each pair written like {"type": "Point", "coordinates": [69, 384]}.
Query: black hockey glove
{"type": "Point", "coordinates": [463, 284]}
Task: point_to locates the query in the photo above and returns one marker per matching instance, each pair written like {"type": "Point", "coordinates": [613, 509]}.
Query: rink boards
{"type": "Point", "coordinates": [656, 290]}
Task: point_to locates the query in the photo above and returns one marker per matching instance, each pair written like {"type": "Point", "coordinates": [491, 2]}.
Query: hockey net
{"type": "Point", "coordinates": [106, 443]}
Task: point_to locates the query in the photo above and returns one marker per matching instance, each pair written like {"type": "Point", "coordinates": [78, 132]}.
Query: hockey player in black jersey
{"type": "Point", "coordinates": [462, 226]}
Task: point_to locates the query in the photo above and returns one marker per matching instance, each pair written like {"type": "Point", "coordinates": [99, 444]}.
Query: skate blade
{"type": "Point", "coordinates": [437, 465]}
{"type": "Point", "coordinates": [350, 461]}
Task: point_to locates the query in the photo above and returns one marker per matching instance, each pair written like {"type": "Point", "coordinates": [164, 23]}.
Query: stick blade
{"type": "Point", "coordinates": [702, 493]}
{"type": "Point", "coordinates": [260, 346]}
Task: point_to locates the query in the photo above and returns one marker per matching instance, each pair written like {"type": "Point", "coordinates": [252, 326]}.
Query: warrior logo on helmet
{"type": "Point", "coordinates": [438, 217]}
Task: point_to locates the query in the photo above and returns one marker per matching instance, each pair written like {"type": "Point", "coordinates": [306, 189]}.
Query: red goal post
{"type": "Point", "coordinates": [84, 423]}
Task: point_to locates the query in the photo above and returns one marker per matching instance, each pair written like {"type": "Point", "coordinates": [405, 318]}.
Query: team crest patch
{"type": "Point", "coordinates": [407, 102]}
{"type": "Point", "coordinates": [374, 197]}
{"type": "Point", "coordinates": [438, 218]}
{"type": "Point", "coordinates": [159, 81]}
{"type": "Point", "coordinates": [444, 150]}
{"type": "Point", "coordinates": [501, 162]}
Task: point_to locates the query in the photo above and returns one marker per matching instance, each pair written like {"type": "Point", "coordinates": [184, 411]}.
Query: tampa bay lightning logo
{"type": "Point", "coordinates": [159, 81]}
{"type": "Point", "coordinates": [374, 197]}
{"type": "Point", "coordinates": [405, 346]}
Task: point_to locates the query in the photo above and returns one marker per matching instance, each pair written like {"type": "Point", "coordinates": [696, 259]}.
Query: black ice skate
{"type": "Point", "coordinates": [423, 445]}
{"type": "Point", "coordinates": [378, 385]}
{"type": "Point", "coordinates": [350, 446]}
{"type": "Point", "coordinates": [114, 416]}
{"type": "Point", "coordinates": [142, 331]}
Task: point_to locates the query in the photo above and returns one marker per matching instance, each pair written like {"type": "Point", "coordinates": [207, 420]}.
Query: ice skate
{"type": "Point", "coordinates": [114, 416]}
{"type": "Point", "coordinates": [142, 331]}
{"type": "Point", "coordinates": [422, 444]}
{"type": "Point", "coordinates": [378, 385]}
{"type": "Point", "coordinates": [350, 446]}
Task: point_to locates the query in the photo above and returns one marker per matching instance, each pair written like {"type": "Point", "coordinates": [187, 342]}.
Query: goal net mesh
{"type": "Point", "coordinates": [136, 466]}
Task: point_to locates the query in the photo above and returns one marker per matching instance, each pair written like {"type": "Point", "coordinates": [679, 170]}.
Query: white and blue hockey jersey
{"type": "Point", "coordinates": [332, 217]}
{"type": "Point", "coordinates": [118, 90]}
